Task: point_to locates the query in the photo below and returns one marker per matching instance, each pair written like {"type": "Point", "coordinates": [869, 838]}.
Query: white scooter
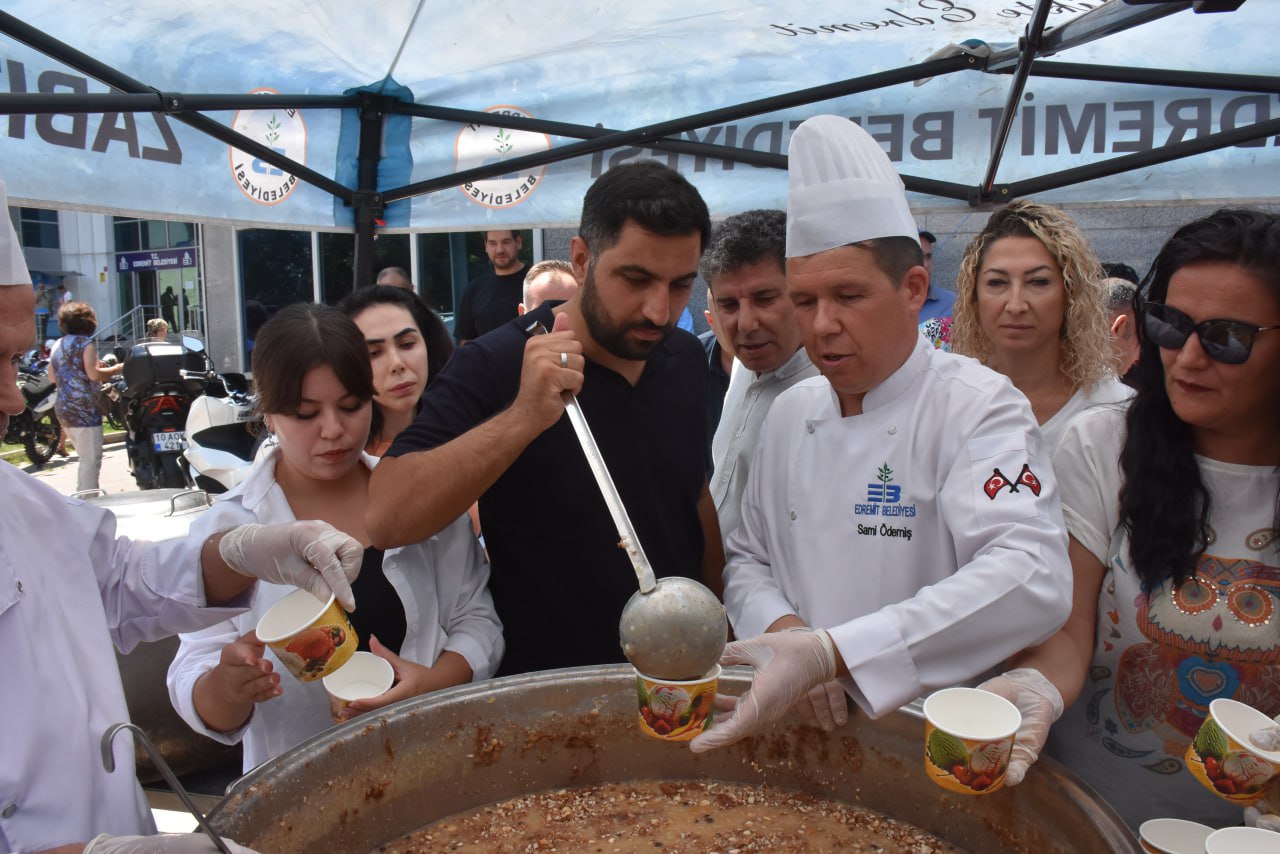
{"type": "Point", "coordinates": [225, 432]}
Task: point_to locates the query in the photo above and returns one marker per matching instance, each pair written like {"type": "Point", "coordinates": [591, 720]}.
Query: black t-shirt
{"type": "Point", "coordinates": [380, 610]}
{"type": "Point", "coordinates": [489, 301]}
{"type": "Point", "coordinates": [717, 387]}
{"type": "Point", "coordinates": [558, 578]}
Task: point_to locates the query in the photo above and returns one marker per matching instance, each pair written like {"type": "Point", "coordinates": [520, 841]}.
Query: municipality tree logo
{"type": "Point", "coordinates": [284, 132]}
{"type": "Point", "coordinates": [886, 491]}
{"type": "Point", "coordinates": [503, 142]}
{"type": "Point", "coordinates": [483, 145]}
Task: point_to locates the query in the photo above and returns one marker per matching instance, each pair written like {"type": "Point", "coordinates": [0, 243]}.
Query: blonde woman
{"type": "Point", "coordinates": [1030, 303]}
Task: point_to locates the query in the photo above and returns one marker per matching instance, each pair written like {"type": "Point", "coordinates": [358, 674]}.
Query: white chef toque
{"type": "Point", "coordinates": [13, 266]}
{"type": "Point", "coordinates": [843, 189]}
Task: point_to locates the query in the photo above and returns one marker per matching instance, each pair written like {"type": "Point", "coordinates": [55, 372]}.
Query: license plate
{"type": "Point", "coordinates": [172, 441]}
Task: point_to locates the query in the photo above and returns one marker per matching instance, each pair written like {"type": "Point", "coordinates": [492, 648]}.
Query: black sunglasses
{"type": "Point", "coordinates": [1227, 341]}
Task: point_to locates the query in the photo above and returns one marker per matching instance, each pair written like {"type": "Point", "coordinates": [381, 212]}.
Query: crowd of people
{"type": "Point", "coordinates": [1077, 507]}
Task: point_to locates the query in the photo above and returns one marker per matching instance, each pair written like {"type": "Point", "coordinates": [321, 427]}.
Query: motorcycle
{"type": "Point", "coordinates": [224, 433]}
{"type": "Point", "coordinates": [158, 391]}
{"type": "Point", "coordinates": [36, 428]}
{"type": "Point", "coordinates": [110, 400]}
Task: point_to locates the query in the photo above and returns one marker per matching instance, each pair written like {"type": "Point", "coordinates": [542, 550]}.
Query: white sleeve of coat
{"type": "Point", "coordinates": [1013, 585]}
{"type": "Point", "coordinates": [200, 651]}
{"type": "Point", "coordinates": [470, 620]}
{"type": "Point", "coordinates": [1088, 459]}
{"type": "Point", "coordinates": [753, 598]}
{"type": "Point", "coordinates": [154, 590]}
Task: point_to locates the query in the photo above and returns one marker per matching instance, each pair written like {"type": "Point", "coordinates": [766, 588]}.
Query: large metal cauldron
{"type": "Point", "coordinates": [377, 778]}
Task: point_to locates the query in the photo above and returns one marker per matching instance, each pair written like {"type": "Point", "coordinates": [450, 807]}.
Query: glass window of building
{"type": "Point", "coordinates": [275, 270]}
{"type": "Point", "coordinates": [338, 258]}
{"type": "Point", "coordinates": [434, 276]}
{"type": "Point", "coordinates": [39, 228]}
{"type": "Point", "coordinates": [128, 234]}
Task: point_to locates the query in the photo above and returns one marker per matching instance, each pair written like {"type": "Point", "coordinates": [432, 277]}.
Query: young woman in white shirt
{"type": "Point", "coordinates": [1030, 304]}
{"type": "Point", "coordinates": [425, 607]}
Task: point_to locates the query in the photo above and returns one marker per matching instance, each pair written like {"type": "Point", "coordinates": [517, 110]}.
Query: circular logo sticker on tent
{"type": "Point", "coordinates": [482, 145]}
{"type": "Point", "coordinates": [281, 130]}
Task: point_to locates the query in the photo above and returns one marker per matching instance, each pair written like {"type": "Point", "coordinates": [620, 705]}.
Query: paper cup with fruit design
{"type": "Point", "coordinates": [1222, 758]}
{"type": "Point", "coordinates": [311, 637]}
{"type": "Point", "coordinates": [676, 711]}
{"type": "Point", "coordinates": [968, 739]}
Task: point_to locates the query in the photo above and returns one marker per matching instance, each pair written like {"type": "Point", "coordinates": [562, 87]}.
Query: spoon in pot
{"type": "Point", "coordinates": [673, 628]}
{"type": "Point", "coordinates": [109, 762]}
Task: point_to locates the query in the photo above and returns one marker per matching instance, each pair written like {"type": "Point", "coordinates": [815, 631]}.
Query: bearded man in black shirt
{"type": "Point", "coordinates": [492, 298]}
{"type": "Point", "coordinates": [493, 428]}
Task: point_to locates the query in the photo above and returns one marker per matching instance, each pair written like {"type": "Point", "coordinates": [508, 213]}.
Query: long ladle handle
{"type": "Point", "coordinates": [109, 762]}
{"type": "Point", "coordinates": [626, 531]}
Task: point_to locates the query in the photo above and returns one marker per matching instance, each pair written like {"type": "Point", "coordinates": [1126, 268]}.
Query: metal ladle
{"type": "Point", "coordinates": [109, 762]}
{"type": "Point", "coordinates": [673, 628]}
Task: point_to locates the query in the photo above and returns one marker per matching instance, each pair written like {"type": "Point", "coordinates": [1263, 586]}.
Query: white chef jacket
{"type": "Point", "coordinates": [904, 531]}
{"type": "Point", "coordinates": [443, 583]}
{"type": "Point", "coordinates": [69, 590]}
{"type": "Point", "coordinates": [746, 403]}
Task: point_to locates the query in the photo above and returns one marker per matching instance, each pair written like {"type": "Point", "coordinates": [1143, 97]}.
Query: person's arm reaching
{"type": "Point", "coordinates": [91, 368]}
{"type": "Point", "coordinates": [401, 511]}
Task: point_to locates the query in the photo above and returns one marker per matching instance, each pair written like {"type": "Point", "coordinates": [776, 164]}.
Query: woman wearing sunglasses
{"type": "Point", "coordinates": [1173, 507]}
{"type": "Point", "coordinates": [1030, 304]}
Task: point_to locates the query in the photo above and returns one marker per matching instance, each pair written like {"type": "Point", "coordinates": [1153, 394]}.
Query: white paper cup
{"type": "Point", "coordinates": [1173, 836]}
{"type": "Point", "coordinates": [1242, 840]}
{"type": "Point", "coordinates": [364, 676]}
{"type": "Point", "coordinates": [311, 637]}
{"type": "Point", "coordinates": [969, 739]}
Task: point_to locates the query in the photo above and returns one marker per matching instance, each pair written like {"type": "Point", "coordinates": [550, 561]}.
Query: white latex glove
{"type": "Point", "coordinates": [1255, 817]}
{"type": "Point", "coordinates": [827, 706]}
{"type": "Point", "coordinates": [787, 665]}
{"type": "Point", "coordinates": [312, 555]}
{"type": "Point", "coordinates": [1040, 704]}
{"type": "Point", "coordinates": [1267, 738]}
{"type": "Point", "coordinates": [166, 843]}
{"type": "Point", "coordinates": [1267, 812]}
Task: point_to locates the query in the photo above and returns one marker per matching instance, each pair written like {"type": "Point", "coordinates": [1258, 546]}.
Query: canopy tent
{"type": "Point", "coordinates": [404, 114]}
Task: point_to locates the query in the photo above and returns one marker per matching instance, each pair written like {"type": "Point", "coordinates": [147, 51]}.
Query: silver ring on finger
{"type": "Point", "coordinates": [564, 360]}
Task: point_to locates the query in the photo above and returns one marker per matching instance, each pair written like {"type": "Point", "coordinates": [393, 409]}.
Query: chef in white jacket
{"type": "Point", "coordinates": [900, 514]}
{"type": "Point", "coordinates": [70, 590]}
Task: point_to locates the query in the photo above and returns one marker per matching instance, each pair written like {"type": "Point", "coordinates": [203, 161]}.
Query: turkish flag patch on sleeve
{"type": "Point", "coordinates": [1027, 478]}
{"type": "Point", "coordinates": [995, 483]}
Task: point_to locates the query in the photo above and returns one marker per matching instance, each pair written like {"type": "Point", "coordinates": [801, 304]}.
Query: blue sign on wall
{"type": "Point", "coordinates": [163, 259]}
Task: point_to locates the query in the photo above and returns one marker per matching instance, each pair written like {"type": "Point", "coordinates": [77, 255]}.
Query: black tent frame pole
{"type": "Point", "coordinates": [1141, 159]}
{"type": "Point", "coordinates": [368, 203]}
{"type": "Point", "coordinates": [648, 135]}
{"type": "Point", "coordinates": [36, 103]}
{"type": "Point", "coordinates": [1030, 46]}
{"type": "Point", "coordinates": [1156, 77]}
{"type": "Point", "coordinates": [1103, 21]}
